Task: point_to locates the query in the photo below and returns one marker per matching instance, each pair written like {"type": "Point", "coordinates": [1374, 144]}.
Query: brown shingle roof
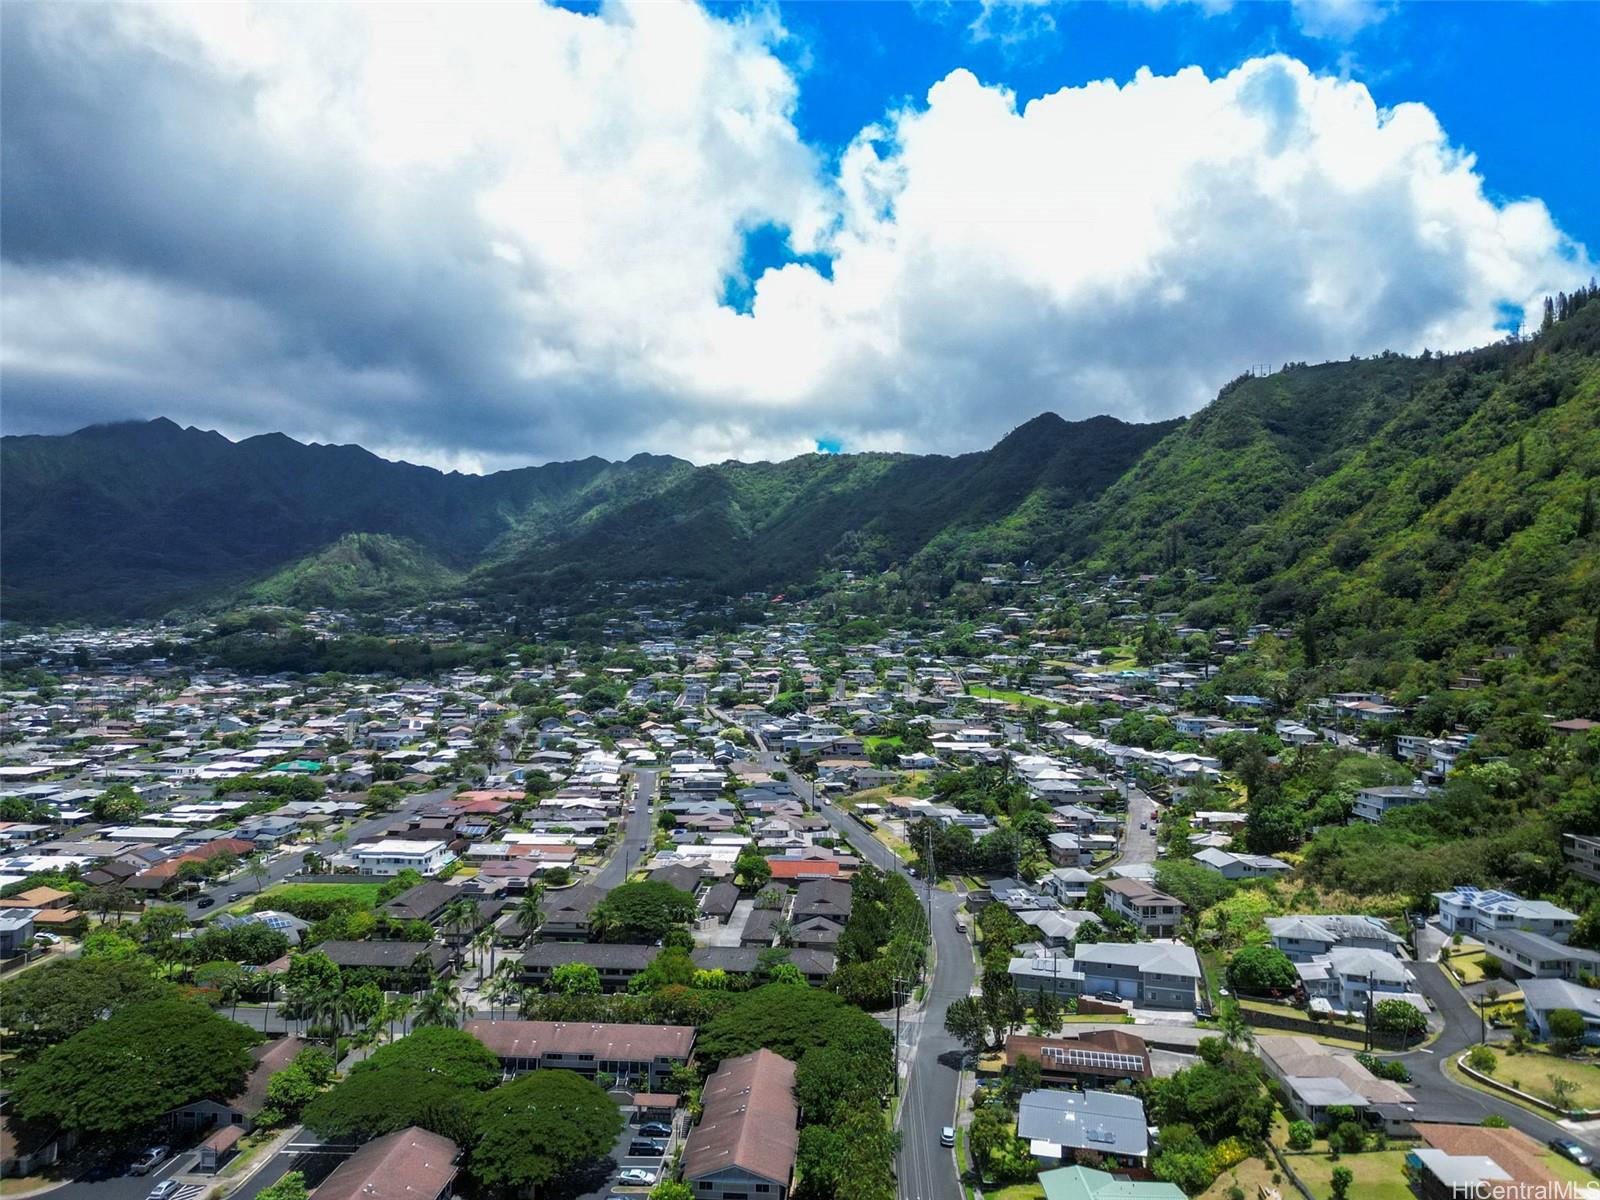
{"type": "Point", "coordinates": [627, 1043]}
{"type": "Point", "coordinates": [411, 1164]}
{"type": "Point", "coordinates": [747, 1120]}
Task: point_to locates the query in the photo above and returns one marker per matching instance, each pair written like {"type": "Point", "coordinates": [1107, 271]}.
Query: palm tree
{"type": "Point", "coordinates": [398, 1010]}
{"type": "Point", "coordinates": [460, 915]}
{"type": "Point", "coordinates": [257, 867]}
{"type": "Point", "coordinates": [483, 944]}
{"type": "Point", "coordinates": [269, 985]}
{"type": "Point", "coordinates": [528, 913]}
{"type": "Point", "coordinates": [329, 1006]}
{"type": "Point", "coordinates": [441, 1005]}
{"type": "Point", "coordinates": [501, 989]}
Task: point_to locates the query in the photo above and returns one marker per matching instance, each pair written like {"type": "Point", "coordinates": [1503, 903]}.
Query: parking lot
{"type": "Point", "coordinates": [623, 1161]}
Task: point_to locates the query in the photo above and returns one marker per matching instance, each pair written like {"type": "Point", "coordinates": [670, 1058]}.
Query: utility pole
{"type": "Point", "coordinates": [900, 985]}
{"type": "Point", "coordinates": [927, 838]}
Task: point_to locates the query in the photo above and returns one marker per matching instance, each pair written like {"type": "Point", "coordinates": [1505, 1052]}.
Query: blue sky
{"type": "Point", "coordinates": [480, 235]}
{"type": "Point", "coordinates": [1513, 82]}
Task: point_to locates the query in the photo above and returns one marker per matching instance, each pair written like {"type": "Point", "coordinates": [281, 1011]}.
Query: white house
{"type": "Point", "coordinates": [390, 856]}
{"type": "Point", "coordinates": [1474, 910]}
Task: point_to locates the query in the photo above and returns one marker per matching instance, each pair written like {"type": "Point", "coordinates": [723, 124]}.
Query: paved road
{"type": "Point", "coordinates": [290, 861]}
{"type": "Point", "coordinates": [1430, 1084]}
{"type": "Point", "coordinates": [640, 833]}
{"type": "Point", "coordinates": [926, 1170]}
{"type": "Point", "coordinates": [1139, 845]}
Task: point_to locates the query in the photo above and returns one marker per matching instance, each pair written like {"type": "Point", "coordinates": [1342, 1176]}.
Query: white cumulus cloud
{"type": "Point", "coordinates": [487, 234]}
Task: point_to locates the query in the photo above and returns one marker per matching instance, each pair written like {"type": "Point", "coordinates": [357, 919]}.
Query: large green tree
{"type": "Point", "coordinates": [642, 912]}
{"type": "Point", "coordinates": [55, 1001]}
{"type": "Point", "coordinates": [539, 1127]}
{"type": "Point", "coordinates": [123, 1072]}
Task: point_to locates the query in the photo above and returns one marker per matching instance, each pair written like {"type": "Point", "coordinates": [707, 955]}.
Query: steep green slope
{"type": "Point", "coordinates": [357, 571]}
{"type": "Point", "coordinates": [739, 525]}
{"type": "Point", "coordinates": [1421, 516]}
{"type": "Point", "coordinates": [139, 519]}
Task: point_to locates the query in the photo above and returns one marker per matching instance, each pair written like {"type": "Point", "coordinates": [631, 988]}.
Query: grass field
{"type": "Point", "coordinates": [1016, 1191]}
{"type": "Point", "coordinates": [363, 894]}
{"type": "Point", "coordinates": [1379, 1175]}
{"type": "Point", "coordinates": [1532, 1070]}
{"type": "Point", "coordinates": [989, 693]}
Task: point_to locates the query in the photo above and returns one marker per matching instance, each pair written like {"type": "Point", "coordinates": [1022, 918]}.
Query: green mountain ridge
{"type": "Point", "coordinates": [145, 518]}
{"type": "Point", "coordinates": [1435, 503]}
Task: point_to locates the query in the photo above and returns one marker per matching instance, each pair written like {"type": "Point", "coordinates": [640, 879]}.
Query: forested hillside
{"type": "Point", "coordinates": [1435, 510]}
{"type": "Point", "coordinates": [139, 519]}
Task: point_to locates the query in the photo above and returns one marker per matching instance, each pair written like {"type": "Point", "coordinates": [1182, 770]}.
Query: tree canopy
{"type": "Point", "coordinates": [55, 1001]}
{"type": "Point", "coordinates": [642, 912]}
{"type": "Point", "coordinates": [538, 1127]}
{"type": "Point", "coordinates": [148, 1058]}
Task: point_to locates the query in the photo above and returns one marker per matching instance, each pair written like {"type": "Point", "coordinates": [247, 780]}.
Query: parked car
{"type": "Point", "coordinates": [947, 1136]}
{"type": "Point", "coordinates": [149, 1160]}
{"type": "Point", "coordinates": [1108, 997]}
{"type": "Point", "coordinates": [165, 1190]}
{"type": "Point", "coordinates": [647, 1147]}
{"type": "Point", "coordinates": [655, 1129]}
{"type": "Point", "coordinates": [636, 1177]}
{"type": "Point", "coordinates": [1570, 1149]}
{"type": "Point", "coordinates": [205, 902]}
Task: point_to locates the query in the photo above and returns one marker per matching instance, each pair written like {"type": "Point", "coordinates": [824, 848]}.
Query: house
{"type": "Point", "coordinates": [16, 930]}
{"type": "Point", "coordinates": [397, 966]}
{"type": "Point", "coordinates": [1085, 1183]}
{"type": "Point", "coordinates": [1541, 997]}
{"type": "Point", "coordinates": [719, 902]}
{"type": "Point", "coordinates": [747, 1140]}
{"type": "Point", "coordinates": [648, 1053]}
{"type": "Point", "coordinates": [1303, 938]}
{"type": "Point", "coordinates": [1151, 974]}
{"type": "Point", "coordinates": [409, 1164]}
{"type": "Point", "coordinates": [1066, 850]}
{"type": "Point", "coordinates": [1241, 866]}
{"type": "Point", "coordinates": [425, 902]}
{"type": "Point", "coordinates": [52, 908]}
{"type": "Point", "coordinates": [1059, 930]}
{"type": "Point", "coordinates": [1316, 1079]}
{"type": "Point", "coordinates": [1153, 911]}
{"type": "Point", "coordinates": [1519, 1160]}
{"type": "Point", "coordinates": [240, 1109]}
{"type": "Point", "coordinates": [1582, 854]}
{"type": "Point", "coordinates": [1471, 910]}
{"type": "Point", "coordinates": [828, 898]}
{"type": "Point", "coordinates": [1346, 975]}
{"type": "Point", "coordinates": [1374, 803]}
{"type": "Point", "coordinates": [566, 912]}
{"type": "Point", "coordinates": [391, 855]}
{"type": "Point", "coordinates": [1534, 956]}
{"type": "Point", "coordinates": [1054, 1122]}
{"type": "Point", "coordinates": [1070, 885]}
{"type": "Point", "coordinates": [1096, 1056]}
{"type": "Point", "coordinates": [617, 964]}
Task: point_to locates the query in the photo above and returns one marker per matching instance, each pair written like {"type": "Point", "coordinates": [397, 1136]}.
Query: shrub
{"type": "Point", "coordinates": [1348, 1138]}
{"type": "Point", "coordinates": [1301, 1135]}
{"type": "Point", "coordinates": [1481, 1058]}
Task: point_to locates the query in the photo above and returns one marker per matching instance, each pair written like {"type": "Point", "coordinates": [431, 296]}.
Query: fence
{"type": "Point", "coordinates": [1381, 1040]}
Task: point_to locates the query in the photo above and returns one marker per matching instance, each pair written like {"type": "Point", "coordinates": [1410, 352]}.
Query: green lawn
{"type": "Point", "coordinates": [364, 895]}
{"type": "Point", "coordinates": [1016, 1191]}
{"type": "Point", "coordinates": [989, 693]}
{"type": "Point", "coordinates": [1532, 1070]}
{"type": "Point", "coordinates": [1379, 1175]}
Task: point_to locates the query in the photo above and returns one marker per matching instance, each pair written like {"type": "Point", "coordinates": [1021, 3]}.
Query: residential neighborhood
{"type": "Point", "coordinates": [1036, 895]}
